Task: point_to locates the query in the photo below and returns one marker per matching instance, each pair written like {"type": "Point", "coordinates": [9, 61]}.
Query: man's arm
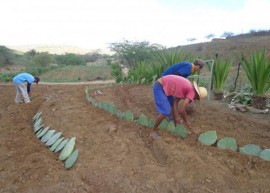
{"type": "Point", "coordinates": [28, 88]}
{"type": "Point", "coordinates": [175, 113]}
{"type": "Point", "coordinates": [183, 112]}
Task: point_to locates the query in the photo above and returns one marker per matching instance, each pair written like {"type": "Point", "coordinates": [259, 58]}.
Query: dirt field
{"type": "Point", "coordinates": [115, 155]}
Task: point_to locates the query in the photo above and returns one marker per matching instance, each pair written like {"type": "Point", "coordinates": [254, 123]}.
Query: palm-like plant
{"type": "Point", "coordinates": [257, 69]}
{"type": "Point", "coordinates": [220, 73]}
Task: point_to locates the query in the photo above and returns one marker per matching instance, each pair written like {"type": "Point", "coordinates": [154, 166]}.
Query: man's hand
{"type": "Point", "coordinates": [187, 124]}
{"type": "Point", "coordinates": [178, 121]}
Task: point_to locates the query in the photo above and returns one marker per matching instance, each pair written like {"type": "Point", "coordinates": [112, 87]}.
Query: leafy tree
{"type": "Point", "coordinates": [92, 57]}
{"type": "Point", "coordinates": [70, 59]}
{"type": "Point", "coordinates": [117, 72]}
{"type": "Point", "coordinates": [31, 53]}
{"type": "Point", "coordinates": [42, 59]}
{"type": "Point", "coordinates": [134, 52]}
{"type": "Point", "coordinates": [227, 34]}
{"type": "Point", "coordinates": [210, 36]}
{"type": "Point", "coordinates": [191, 39]}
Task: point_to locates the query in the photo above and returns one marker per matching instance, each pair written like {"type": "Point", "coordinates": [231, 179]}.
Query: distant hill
{"type": "Point", "coordinates": [231, 47]}
{"type": "Point", "coordinates": [52, 49]}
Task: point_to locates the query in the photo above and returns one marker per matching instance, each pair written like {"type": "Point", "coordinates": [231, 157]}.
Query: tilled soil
{"type": "Point", "coordinates": [116, 155]}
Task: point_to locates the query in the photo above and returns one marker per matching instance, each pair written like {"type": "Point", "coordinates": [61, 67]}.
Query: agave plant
{"type": "Point", "coordinates": [168, 57]}
{"type": "Point", "coordinates": [243, 95]}
{"type": "Point", "coordinates": [257, 69]}
{"type": "Point", "coordinates": [143, 73]}
{"type": "Point", "coordinates": [220, 73]}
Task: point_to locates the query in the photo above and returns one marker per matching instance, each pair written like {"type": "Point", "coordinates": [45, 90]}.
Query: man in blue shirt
{"type": "Point", "coordinates": [184, 69]}
{"type": "Point", "coordinates": [19, 81]}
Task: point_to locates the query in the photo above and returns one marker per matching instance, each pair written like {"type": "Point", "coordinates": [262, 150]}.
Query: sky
{"type": "Point", "coordinates": [94, 24]}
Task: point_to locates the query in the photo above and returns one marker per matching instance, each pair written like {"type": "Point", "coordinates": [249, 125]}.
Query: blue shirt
{"type": "Point", "coordinates": [183, 69]}
{"type": "Point", "coordinates": [23, 77]}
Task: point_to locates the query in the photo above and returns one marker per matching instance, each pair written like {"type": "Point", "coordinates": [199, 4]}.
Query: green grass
{"type": "Point", "coordinates": [77, 74]}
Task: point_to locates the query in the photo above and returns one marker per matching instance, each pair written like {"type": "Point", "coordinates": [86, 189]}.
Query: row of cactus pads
{"type": "Point", "coordinates": [55, 142]}
{"type": "Point", "coordinates": [207, 138]}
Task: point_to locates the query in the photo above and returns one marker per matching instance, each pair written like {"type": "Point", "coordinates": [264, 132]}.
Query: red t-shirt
{"type": "Point", "coordinates": [178, 87]}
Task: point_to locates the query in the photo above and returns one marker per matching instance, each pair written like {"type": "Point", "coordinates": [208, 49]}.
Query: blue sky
{"type": "Point", "coordinates": [93, 24]}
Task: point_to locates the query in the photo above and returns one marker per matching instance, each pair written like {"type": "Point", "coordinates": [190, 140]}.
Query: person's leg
{"type": "Point", "coordinates": [162, 105]}
{"type": "Point", "coordinates": [158, 120]}
{"type": "Point", "coordinates": [18, 94]}
{"type": "Point", "coordinates": [170, 99]}
{"type": "Point", "coordinates": [23, 90]}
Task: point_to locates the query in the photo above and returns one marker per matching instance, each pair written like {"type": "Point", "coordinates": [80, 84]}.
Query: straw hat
{"type": "Point", "coordinates": [202, 92]}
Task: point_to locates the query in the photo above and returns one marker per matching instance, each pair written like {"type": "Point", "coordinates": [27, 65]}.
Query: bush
{"type": "Point", "coordinates": [7, 77]}
{"type": "Point", "coordinates": [117, 72]}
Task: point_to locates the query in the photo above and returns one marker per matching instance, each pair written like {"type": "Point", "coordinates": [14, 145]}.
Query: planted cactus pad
{"type": "Point", "coordinates": [227, 143]}
{"type": "Point", "coordinates": [128, 116]}
{"type": "Point", "coordinates": [163, 124]}
{"type": "Point", "coordinates": [251, 149]}
{"type": "Point", "coordinates": [181, 131]}
{"type": "Point", "coordinates": [265, 154]}
{"type": "Point", "coordinates": [143, 120]}
{"type": "Point", "coordinates": [67, 149]}
{"type": "Point", "coordinates": [171, 127]}
{"type": "Point", "coordinates": [70, 161]}
{"type": "Point", "coordinates": [208, 138]}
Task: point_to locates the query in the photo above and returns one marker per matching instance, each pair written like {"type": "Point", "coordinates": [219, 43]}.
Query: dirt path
{"type": "Point", "coordinates": [115, 155]}
{"type": "Point", "coordinates": [97, 82]}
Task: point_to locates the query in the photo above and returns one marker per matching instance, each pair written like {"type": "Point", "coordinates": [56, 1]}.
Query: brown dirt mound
{"type": "Point", "coordinates": [115, 155]}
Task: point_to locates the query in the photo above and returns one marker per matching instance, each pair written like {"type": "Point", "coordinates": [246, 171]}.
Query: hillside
{"type": "Point", "coordinates": [231, 47]}
{"type": "Point", "coordinates": [52, 49]}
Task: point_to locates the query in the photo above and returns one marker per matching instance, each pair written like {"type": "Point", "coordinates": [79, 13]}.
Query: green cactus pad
{"type": "Point", "coordinates": [37, 116]}
{"type": "Point", "coordinates": [112, 109]}
{"type": "Point", "coordinates": [143, 120]}
{"type": "Point", "coordinates": [151, 123]}
{"type": "Point", "coordinates": [265, 154]}
{"type": "Point", "coordinates": [54, 146]}
{"type": "Point", "coordinates": [39, 132]}
{"type": "Point", "coordinates": [70, 161]}
{"type": "Point", "coordinates": [61, 145]}
{"type": "Point", "coordinates": [38, 122]}
{"type": "Point", "coordinates": [53, 139]}
{"type": "Point", "coordinates": [37, 128]}
{"type": "Point", "coordinates": [43, 132]}
{"type": "Point", "coordinates": [128, 116]}
{"type": "Point", "coordinates": [119, 114]}
{"type": "Point", "coordinates": [208, 138]}
{"type": "Point", "coordinates": [65, 153]}
{"type": "Point", "coordinates": [163, 124]}
{"type": "Point", "coordinates": [251, 149]}
{"type": "Point", "coordinates": [227, 143]}
{"type": "Point", "coordinates": [171, 127]}
{"type": "Point", "coordinates": [106, 106]}
{"type": "Point", "coordinates": [47, 136]}
{"type": "Point", "coordinates": [181, 131]}
{"type": "Point", "coordinates": [99, 105]}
